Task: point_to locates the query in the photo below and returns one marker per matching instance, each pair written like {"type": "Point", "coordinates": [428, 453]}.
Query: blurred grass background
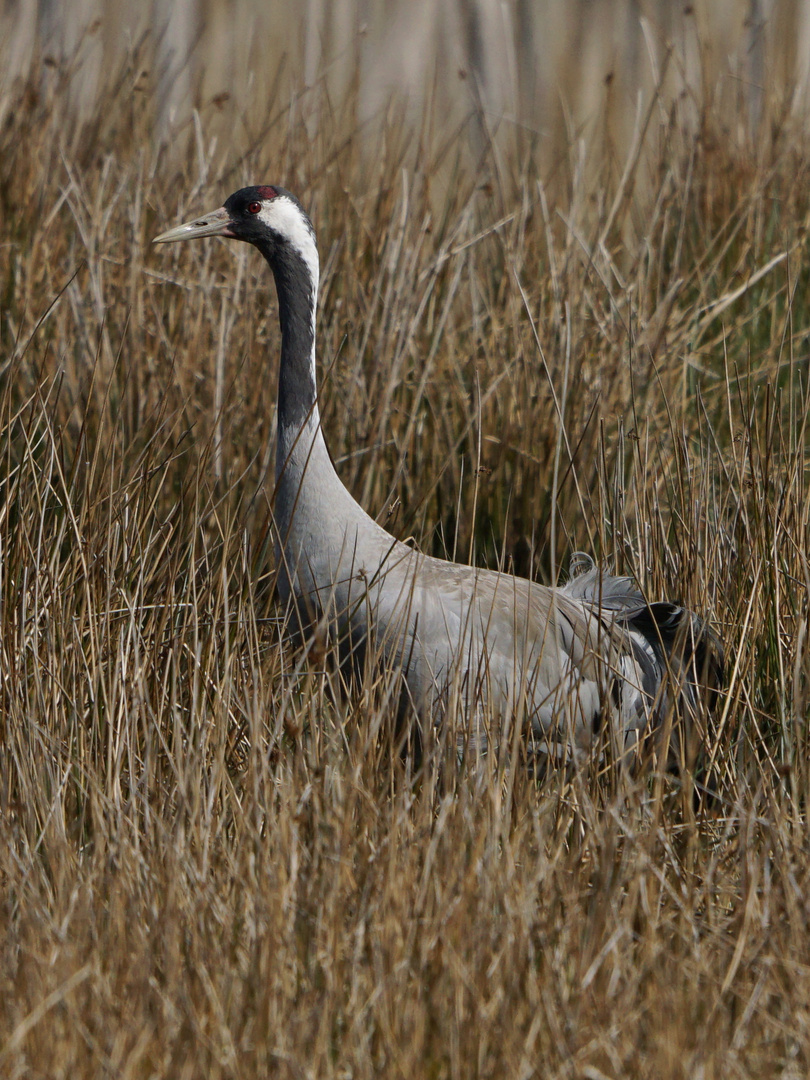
{"type": "Point", "coordinates": [564, 305]}
{"type": "Point", "coordinates": [531, 74]}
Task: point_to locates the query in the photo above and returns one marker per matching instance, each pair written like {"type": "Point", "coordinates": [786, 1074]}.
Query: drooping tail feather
{"type": "Point", "coordinates": [679, 660]}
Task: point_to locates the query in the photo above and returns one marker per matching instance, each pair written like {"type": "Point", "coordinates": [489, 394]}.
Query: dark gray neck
{"type": "Point", "coordinates": [319, 525]}
{"type": "Point", "coordinates": [297, 295]}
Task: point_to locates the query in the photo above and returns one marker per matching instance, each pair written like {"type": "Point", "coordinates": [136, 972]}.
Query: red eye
{"type": "Point", "coordinates": [254, 207]}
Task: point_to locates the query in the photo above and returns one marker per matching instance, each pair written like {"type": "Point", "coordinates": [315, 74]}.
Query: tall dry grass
{"type": "Point", "coordinates": [216, 864]}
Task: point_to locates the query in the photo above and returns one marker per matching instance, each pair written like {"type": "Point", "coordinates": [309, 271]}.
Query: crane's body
{"type": "Point", "coordinates": [560, 660]}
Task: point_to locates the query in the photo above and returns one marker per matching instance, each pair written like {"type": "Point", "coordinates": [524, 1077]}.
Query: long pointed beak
{"type": "Point", "coordinates": [216, 223]}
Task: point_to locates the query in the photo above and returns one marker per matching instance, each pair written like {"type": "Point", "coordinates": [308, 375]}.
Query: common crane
{"type": "Point", "coordinates": [561, 661]}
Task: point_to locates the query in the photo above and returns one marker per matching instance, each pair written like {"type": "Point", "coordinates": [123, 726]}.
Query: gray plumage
{"type": "Point", "coordinates": [561, 661]}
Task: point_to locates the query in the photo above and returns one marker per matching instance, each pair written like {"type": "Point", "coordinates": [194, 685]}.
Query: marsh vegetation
{"type": "Point", "coordinates": [213, 862]}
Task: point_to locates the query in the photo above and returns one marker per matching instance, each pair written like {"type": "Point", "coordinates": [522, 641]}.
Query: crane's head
{"type": "Point", "coordinates": [269, 217]}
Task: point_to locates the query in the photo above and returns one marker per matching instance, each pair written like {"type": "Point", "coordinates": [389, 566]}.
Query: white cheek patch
{"type": "Point", "coordinates": [283, 216]}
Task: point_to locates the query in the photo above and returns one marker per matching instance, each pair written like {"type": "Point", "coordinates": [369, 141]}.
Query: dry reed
{"type": "Point", "coordinates": [214, 863]}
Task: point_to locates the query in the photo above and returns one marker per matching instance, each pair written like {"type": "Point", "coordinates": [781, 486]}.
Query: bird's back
{"type": "Point", "coordinates": [497, 648]}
